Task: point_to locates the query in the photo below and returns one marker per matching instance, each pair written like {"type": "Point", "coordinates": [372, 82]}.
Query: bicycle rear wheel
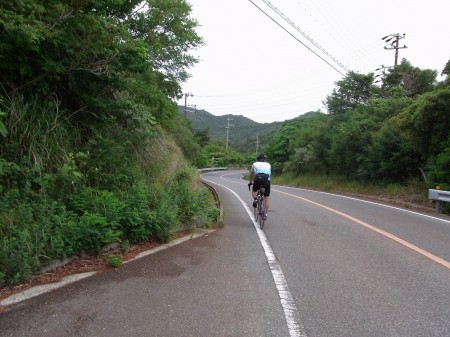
{"type": "Point", "coordinates": [261, 213]}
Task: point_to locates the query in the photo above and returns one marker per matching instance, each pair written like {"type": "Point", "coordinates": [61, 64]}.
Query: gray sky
{"type": "Point", "coordinates": [252, 67]}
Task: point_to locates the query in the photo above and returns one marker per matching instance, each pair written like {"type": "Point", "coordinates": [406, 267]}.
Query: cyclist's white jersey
{"type": "Point", "coordinates": [261, 167]}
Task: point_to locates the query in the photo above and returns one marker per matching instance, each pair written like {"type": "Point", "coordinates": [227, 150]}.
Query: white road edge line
{"type": "Point", "coordinates": [363, 201]}
{"type": "Point", "coordinates": [291, 314]}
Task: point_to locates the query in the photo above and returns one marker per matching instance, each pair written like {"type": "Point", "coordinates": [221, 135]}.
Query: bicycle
{"type": "Point", "coordinates": [260, 210]}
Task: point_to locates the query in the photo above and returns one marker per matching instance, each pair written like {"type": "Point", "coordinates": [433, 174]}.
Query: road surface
{"type": "Point", "coordinates": [324, 265]}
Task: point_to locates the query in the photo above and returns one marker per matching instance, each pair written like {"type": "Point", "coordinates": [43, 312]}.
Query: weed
{"type": "Point", "coordinates": [114, 260]}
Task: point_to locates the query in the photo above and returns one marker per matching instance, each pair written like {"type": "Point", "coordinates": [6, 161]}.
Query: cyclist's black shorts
{"type": "Point", "coordinates": [258, 184]}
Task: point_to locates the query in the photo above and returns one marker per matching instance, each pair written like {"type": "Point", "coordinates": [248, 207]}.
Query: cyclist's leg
{"type": "Point", "coordinates": [255, 188]}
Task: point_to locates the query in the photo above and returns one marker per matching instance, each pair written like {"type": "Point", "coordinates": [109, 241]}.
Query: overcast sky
{"type": "Point", "coordinates": [252, 67]}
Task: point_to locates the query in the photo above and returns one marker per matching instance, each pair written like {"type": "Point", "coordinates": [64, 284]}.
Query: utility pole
{"type": "Point", "coordinates": [228, 129]}
{"type": "Point", "coordinates": [379, 77]}
{"type": "Point", "coordinates": [257, 143]}
{"type": "Point", "coordinates": [185, 103]}
{"type": "Point", "coordinates": [392, 41]}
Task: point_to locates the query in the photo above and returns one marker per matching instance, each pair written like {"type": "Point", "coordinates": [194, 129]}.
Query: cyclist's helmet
{"type": "Point", "coordinates": [261, 157]}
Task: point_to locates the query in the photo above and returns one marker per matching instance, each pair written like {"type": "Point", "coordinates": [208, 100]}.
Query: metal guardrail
{"type": "Point", "coordinates": [439, 196]}
{"type": "Point", "coordinates": [212, 169]}
{"type": "Point", "coordinates": [219, 220]}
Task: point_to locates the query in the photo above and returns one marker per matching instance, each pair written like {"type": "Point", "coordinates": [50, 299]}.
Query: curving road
{"type": "Point", "coordinates": [357, 268]}
{"type": "Point", "coordinates": [325, 265]}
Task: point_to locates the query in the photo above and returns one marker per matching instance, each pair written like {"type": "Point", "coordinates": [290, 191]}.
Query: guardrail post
{"type": "Point", "coordinates": [438, 206]}
{"type": "Point", "coordinates": [439, 196]}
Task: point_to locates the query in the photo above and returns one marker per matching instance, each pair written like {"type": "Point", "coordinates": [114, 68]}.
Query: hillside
{"type": "Point", "coordinates": [242, 134]}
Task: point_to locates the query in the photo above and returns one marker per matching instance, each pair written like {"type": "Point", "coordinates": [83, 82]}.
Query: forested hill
{"type": "Point", "coordinates": [242, 132]}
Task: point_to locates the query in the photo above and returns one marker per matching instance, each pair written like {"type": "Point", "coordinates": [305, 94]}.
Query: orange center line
{"type": "Point", "coordinates": [405, 243]}
{"type": "Point", "coordinates": [377, 230]}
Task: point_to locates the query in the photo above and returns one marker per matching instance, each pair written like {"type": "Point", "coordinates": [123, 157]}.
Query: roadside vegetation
{"type": "Point", "coordinates": [390, 140]}
{"type": "Point", "coordinates": [93, 148]}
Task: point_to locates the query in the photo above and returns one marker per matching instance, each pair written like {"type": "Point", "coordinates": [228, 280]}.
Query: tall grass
{"type": "Point", "coordinates": [38, 133]}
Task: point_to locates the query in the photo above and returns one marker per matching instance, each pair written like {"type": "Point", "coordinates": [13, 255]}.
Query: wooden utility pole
{"type": "Point", "coordinates": [185, 103]}
{"type": "Point", "coordinates": [392, 41]}
{"type": "Point", "coordinates": [228, 129]}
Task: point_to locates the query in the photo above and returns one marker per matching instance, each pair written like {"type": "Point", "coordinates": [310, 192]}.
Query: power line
{"type": "Point", "coordinates": [325, 29]}
{"type": "Point", "coordinates": [296, 38]}
{"type": "Point", "coordinates": [285, 18]}
{"type": "Point", "coordinates": [326, 10]}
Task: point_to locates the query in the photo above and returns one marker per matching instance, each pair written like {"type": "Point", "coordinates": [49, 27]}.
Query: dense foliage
{"type": "Point", "coordinates": [396, 132]}
{"type": "Point", "coordinates": [93, 149]}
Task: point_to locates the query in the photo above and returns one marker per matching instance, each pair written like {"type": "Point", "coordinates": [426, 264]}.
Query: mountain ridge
{"type": "Point", "coordinates": [243, 133]}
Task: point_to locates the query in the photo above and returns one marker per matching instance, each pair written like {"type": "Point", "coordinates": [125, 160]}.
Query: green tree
{"type": "Point", "coordinates": [305, 132]}
{"type": "Point", "coordinates": [390, 157]}
{"type": "Point", "coordinates": [413, 80]}
{"type": "Point", "coordinates": [428, 121]}
{"type": "Point", "coordinates": [109, 57]}
{"type": "Point", "coordinates": [202, 137]}
{"type": "Point", "coordinates": [352, 92]}
{"type": "Point", "coordinates": [212, 155]}
{"type": "Point", "coordinates": [446, 72]}
{"type": "Point", "coordinates": [350, 137]}
{"type": "Point", "coordinates": [279, 149]}
{"type": "Point", "coordinates": [439, 173]}
{"type": "Point", "coordinates": [169, 32]}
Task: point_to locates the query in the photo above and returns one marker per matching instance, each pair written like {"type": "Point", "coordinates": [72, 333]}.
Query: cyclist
{"type": "Point", "coordinates": [260, 176]}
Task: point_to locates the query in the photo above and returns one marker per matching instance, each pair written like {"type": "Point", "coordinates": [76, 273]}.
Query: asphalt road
{"type": "Point", "coordinates": [325, 265]}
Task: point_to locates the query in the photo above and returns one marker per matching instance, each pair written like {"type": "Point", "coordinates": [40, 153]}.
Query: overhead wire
{"type": "Point", "coordinates": [298, 29]}
{"type": "Point", "coordinates": [324, 11]}
{"type": "Point", "coordinates": [262, 104]}
{"type": "Point", "coordinates": [238, 107]}
{"type": "Point", "coordinates": [287, 31]}
{"type": "Point", "coordinates": [319, 23]}
{"type": "Point", "coordinates": [277, 93]}
{"type": "Point", "coordinates": [338, 26]}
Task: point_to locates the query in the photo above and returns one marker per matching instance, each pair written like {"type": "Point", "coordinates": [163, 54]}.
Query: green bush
{"type": "Point", "coordinates": [194, 205]}
{"type": "Point", "coordinates": [17, 256]}
{"type": "Point", "coordinates": [104, 203]}
{"type": "Point", "coordinates": [138, 221]}
{"type": "Point", "coordinates": [90, 234]}
{"type": "Point", "coordinates": [36, 229]}
{"type": "Point", "coordinates": [166, 216]}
